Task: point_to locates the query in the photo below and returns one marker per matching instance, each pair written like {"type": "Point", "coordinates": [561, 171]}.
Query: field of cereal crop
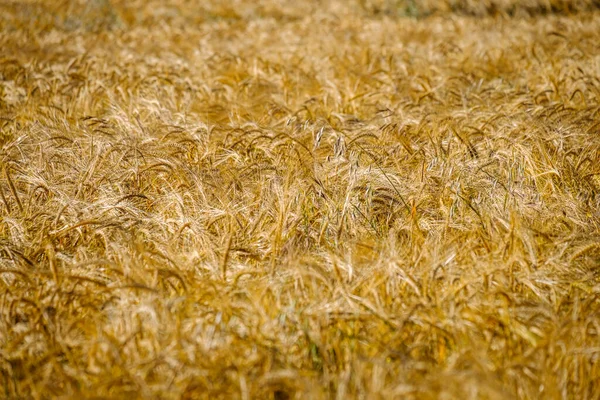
{"type": "Point", "coordinates": [277, 199]}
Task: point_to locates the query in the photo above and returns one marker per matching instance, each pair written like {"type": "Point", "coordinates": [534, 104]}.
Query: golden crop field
{"type": "Point", "coordinates": [300, 199]}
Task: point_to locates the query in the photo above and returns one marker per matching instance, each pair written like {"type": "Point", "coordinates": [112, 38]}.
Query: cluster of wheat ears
{"type": "Point", "coordinates": [300, 199]}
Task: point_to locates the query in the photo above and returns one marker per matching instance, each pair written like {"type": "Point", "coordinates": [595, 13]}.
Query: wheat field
{"type": "Point", "coordinates": [300, 199]}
